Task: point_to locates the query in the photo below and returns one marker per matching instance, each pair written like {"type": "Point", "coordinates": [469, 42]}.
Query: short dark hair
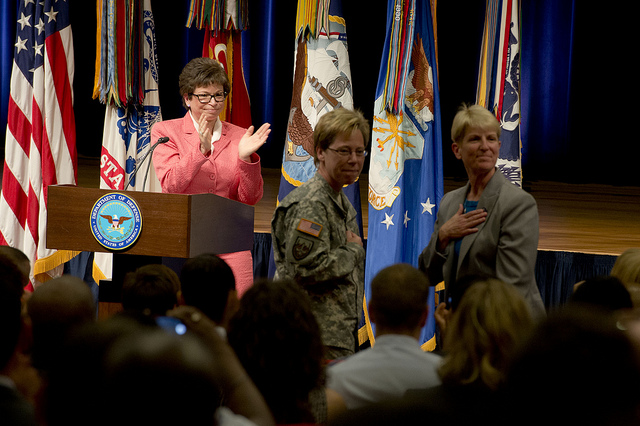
{"type": "Point", "coordinates": [277, 339]}
{"type": "Point", "coordinates": [604, 291]}
{"type": "Point", "coordinates": [151, 289]}
{"type": "Point", "coordinates": [558, 360]}
{"type": "Point", "coordinates": [399, 295]}
{"type": "Point", "coordinates": [340, 121]}
{"type": "Point", "coordinates": [202, 72]}
{"type": "Point", "coordinates": [19, 259]}
{"type": "Point", "coordinates": [149, 374]}
{"type": "Point", "coordinates": [206, 281]}
{"type": "Point", "coordinates": [55, 308]}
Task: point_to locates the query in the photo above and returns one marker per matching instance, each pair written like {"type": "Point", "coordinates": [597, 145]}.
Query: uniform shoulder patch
{"type": "Point", "coordinates": [309, 227]}
{"type": "Point", "coordinates": [301, 248]}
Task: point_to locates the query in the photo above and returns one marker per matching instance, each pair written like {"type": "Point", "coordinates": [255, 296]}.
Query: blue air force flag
{"type": "Point", "coordinates": [405, 175]}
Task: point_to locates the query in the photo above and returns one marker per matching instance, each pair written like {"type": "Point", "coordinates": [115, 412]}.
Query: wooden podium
{"type": "Point", "coordinates": [173, 226]}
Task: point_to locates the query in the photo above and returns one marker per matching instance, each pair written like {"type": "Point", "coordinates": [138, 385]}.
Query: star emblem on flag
{"type": "Point", "coordinates": [40, 136]}
{"type": "Point", "coordinates": [427, 206]}
{"type": "Point", "coordinates": [406, 218]}
{"type": "Point", "coordinates": [388, 220]}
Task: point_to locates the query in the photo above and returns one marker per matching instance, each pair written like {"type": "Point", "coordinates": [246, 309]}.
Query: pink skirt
{"type": "Point", "coordinates": [241, 263]}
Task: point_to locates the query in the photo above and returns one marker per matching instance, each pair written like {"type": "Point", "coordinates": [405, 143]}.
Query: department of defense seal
{"type": "Point", "coordinates": [116, 221]}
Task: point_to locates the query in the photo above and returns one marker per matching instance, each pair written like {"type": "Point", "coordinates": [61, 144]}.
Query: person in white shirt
{"type": "Point", "coordinates": [396, 362]}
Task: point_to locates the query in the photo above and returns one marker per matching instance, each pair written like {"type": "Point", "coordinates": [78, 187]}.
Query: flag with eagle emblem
{"type": "Point", "coordinates": [405, 174]}
{"type": "Point", "coordinates": [321, 82]}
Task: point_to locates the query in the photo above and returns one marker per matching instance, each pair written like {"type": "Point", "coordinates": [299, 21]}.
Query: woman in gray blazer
{"type": "Point", "coordinates": [489, 226]}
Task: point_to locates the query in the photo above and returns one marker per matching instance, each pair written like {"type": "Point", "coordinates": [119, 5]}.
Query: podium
{"type": "Point", "coordinates": [173, 226]}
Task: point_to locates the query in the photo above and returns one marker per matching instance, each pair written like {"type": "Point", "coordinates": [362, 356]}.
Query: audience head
{"type": "Point", "coordinates": [208, 284]}
{"type": "Point", "coordinates": [457, 289]}
{"type": "Point", "coordinates": [152, 290]}
{"type": "Point", "coordinates": [627, 266]}
{"type": "Point", "coordinates": [606, 292]}
{"type": "Point", "coordinates": [76, 383]}
{"type": "Point", "coordinates": [277, 339]}
{"type": "Point", "coordinates": [131, 372]}
{"type": "Point", "coordinates": [54, 309]}
{"type": "Point", "coordinates": [19, 259]}
{"type": "Point", "coordinates": [156, 377]}
{"type": "Point", "coordinates": [399, 297]}
{"type": "Point", "coordinates": [491, 319]}
{"type": "Point", "coordinates": [582, 365]}
{"type": "Point", "coordinates": [627, 269]}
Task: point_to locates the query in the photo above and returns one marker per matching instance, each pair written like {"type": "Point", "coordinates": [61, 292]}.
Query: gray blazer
{"type": "Point", "coordinates": [505, 245]}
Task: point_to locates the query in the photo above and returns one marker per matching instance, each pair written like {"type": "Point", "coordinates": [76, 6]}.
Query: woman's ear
{"type": "Point", "coordinates": [456, 150]}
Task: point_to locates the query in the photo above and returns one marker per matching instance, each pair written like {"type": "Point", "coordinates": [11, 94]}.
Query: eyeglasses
{"type": "Point", "coordinates": [206, 98]}
{"type": "Point", "coordinates": [346, 152]}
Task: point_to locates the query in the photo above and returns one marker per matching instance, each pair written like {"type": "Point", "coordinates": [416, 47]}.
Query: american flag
{"type": "Point", "coordinates": [41, 136]}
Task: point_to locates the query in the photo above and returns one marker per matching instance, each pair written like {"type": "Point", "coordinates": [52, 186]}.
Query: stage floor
{"type": "Point", "coordinates": [585, 218]}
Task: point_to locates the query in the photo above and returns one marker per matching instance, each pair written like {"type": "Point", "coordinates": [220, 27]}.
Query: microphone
{"type": "Point", "coordinates": [163, 139]}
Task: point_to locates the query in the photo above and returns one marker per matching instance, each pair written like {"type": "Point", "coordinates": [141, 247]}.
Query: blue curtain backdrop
{"type": "Point", "coordinates": [575, 74]}
{"type": "Point", "coordinates": [577, 80]}
{"type": "Point", "coordinates": [547, 47]}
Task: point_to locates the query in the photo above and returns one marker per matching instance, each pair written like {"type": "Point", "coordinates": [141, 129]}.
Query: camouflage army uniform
{"type": "Point", "coordinates": [310, 245]}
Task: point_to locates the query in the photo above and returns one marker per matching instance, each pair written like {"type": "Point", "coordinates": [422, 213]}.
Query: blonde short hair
{"type": "Point", "coordinates": [627, 266]}
{"type": "Point", "coordinates": [627, 269]}
{"type": "Point", "coordinates": [473, 116]}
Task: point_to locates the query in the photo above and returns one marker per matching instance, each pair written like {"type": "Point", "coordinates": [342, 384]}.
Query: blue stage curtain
{"type": "Point", "coordinates": [556, 271]}
{"type": "Point", "coordinates": [546, 71]}
{"type": "Point", "coordinates": [261, 254]}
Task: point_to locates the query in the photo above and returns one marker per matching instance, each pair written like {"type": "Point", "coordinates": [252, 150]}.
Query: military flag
{"type": "Point", "coordinates": [219, 14]}
{"type": "Point", "coordinates": [499, 80]}
{"type": "Point", "coordinates": [405, 175]}
{"type": "Point", "coordinates": [130, 93]}
{"type": "Point", "coordinates": [224, 22]}
{"type": "Point", "coordinates": [41, 135]}
{"type": "Point", "coordinates": [321, 83]}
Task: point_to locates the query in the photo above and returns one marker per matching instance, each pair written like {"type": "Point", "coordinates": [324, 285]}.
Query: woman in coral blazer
{"type": "Point", "coordinates": [206, 155]}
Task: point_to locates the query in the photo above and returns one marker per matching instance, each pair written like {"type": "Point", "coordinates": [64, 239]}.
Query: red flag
{"type": "Point", "coordinates": [41, 137]}
{"type": "Point", "coordinates": [226, 47]}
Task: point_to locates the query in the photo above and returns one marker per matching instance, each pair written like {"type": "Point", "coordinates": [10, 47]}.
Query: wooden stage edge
{"type": "Point", "coordinates": [583, 218]}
